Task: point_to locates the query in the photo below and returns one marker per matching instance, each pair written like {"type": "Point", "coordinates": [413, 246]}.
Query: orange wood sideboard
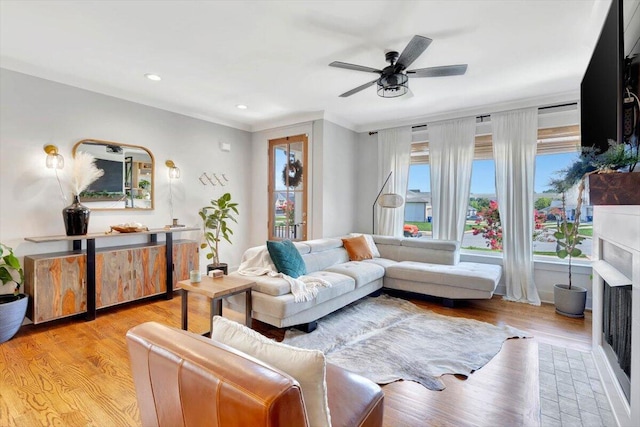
{"type": "Point", "coordinates": [58, 282]}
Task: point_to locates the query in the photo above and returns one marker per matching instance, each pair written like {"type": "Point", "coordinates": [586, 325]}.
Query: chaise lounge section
{"type": "Point", "coordinates": [423, 266]}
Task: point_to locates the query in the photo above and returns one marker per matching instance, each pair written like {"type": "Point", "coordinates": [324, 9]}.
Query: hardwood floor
{"type": "Point", "coordinates": [76, 373]}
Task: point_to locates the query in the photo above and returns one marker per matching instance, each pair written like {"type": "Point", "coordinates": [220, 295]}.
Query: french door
{"type": "Point", "coordinates": [288, 188]}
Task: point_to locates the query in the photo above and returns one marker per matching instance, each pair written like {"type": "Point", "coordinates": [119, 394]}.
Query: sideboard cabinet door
{"type": "Point", "coordinates": [150, 270]}
{"type": "Point", "coordinates": [114, 284]}
{"type": "Point", "coordinates": [56, 284]}
{"type": "Point", "coordinates": [185, 259]}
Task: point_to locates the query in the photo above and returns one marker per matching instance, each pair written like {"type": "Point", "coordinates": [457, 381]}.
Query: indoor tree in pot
{"type": "Point", "coordinates": [13, 306]}
{"type": "Point", "coordinates": [214, 218]}
{"type": "Point", "coordinates": [570, 300]}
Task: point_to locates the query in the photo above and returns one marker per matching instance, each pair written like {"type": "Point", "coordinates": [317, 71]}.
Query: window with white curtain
{"type": "Point", "coordinates": [558, 147]}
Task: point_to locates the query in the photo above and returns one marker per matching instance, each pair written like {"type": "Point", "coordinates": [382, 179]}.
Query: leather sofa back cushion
{"type": "Point", "coordinates": [357, 248]}
{"type": "Point", "coordinates": [286, 258]}
{"type": "Point", "coordinates": [308, 367]}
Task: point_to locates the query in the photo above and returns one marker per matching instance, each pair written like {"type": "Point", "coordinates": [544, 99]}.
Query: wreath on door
{"type": "Point", "coordinates": [293, 172]}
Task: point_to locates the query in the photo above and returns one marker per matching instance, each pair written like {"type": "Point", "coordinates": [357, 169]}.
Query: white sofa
{"type": "Point", "coordinates": [424, 266]}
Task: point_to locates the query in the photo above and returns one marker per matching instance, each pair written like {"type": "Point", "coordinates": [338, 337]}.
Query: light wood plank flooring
{"type": "Point", "coordinates": [76, 373]}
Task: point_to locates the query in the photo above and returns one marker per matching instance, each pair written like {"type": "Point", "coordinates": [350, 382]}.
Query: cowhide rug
{"type": "Point", "coordinates": [388, 339]}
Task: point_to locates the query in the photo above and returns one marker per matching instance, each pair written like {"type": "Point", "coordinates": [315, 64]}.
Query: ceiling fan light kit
{"type": "Point", "coordinates": [393, 86]}
{"type": "Point", "coordinates": [394, 79]}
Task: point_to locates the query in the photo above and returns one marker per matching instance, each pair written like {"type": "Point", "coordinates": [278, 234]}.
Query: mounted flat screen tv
{"type": "Point", "coordinates": [602, 85]}
{"type": "Point", "coordinates": [111, 181]}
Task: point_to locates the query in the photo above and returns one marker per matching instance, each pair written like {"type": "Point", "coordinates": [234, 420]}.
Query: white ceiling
{"type": "Point", "coordinates": [274, 55]}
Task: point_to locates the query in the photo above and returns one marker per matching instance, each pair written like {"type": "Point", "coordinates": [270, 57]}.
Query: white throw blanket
{"type": "Point", "coordinates": [257, 262]}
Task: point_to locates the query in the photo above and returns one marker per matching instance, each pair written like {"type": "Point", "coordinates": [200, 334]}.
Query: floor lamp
{"type": "Point", "coordinates": [387, 200]}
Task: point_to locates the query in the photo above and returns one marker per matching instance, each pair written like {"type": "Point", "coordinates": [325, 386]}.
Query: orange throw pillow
{"type": "Point", "coordinates": [357, 248]}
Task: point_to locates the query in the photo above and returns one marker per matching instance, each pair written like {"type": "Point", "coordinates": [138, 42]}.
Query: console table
{"type": "Point", "coordinates": [67, 283]}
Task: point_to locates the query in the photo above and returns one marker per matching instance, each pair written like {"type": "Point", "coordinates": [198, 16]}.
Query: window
{"type": "Point", "coordinates": [288, 188]}
{"type": "Point", "coordinates": [417, 206]}
{"type": "Point", "coordinates": [548, 204]}
{"type": "Point", "coordinates": [482, 232]}
{"type": "Point", "coordinates": [558, 148]}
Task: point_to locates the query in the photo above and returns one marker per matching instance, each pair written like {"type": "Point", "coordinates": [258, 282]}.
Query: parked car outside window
{"type": "Point", "coordinates": [411, 230]}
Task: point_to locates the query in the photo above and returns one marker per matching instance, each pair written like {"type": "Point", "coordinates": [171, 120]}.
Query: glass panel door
{"type": "Point", "coordinates": [288, 188]}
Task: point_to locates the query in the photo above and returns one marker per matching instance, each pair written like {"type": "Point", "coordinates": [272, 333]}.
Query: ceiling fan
{"type": "Point", "coordinates": [393, 80]}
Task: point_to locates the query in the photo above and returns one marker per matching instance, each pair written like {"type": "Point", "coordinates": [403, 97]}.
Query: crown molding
{"type": "Point", "coordinates": [89, 86]}
{"type": "Point", "coordinates": [540, 101]}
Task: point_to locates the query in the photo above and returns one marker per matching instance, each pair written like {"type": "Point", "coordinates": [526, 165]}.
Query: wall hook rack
{"type": "Point", "coordinates": [218, 179]}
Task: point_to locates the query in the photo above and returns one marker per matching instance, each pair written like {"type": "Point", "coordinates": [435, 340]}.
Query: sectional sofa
{"type": "Point", "coordinates": [424, 266]}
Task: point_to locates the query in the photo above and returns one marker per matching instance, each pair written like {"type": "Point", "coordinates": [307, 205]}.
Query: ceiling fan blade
{"type": "Point", "coordinates": [358, 89]}
{"type": "Point", "coordinates": [447, 70]}
{"type": "Point", "coordinates": [414, 49]}
{"type": "Point", "coordinates": [355, 67]}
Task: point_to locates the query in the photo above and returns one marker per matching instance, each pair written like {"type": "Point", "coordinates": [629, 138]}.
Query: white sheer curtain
{"type": "Point", "coordinates": [451, 146]}
{"type": "Point", "coordinates": [514, 149]}
{"type": "Point", "coordinates": [394, 155]}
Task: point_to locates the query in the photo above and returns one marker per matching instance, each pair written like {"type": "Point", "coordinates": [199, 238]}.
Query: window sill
{"type": "Point", "coordinates": [580, 266]}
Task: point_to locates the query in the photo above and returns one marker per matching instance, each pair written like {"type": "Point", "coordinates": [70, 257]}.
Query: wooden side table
{"type": "Point", "coordinates": [216, 289]}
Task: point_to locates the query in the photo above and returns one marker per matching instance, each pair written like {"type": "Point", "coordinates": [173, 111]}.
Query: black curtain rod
{"type": "Point", "coordinates": [484, 116]}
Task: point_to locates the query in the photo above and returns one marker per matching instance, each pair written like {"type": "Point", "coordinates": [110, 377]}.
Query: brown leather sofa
{"type": "Point", "coordinates": [183, 379]}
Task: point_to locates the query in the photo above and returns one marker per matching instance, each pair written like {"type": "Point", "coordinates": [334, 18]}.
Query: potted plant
{"type": "Point", "coordinates": [571, 300]}
{"type": "Point", "coordinates": [214, 218]}
{"type": "Point", "coordinates": [608, 186]}
{"type": "Point", "coordinates": [13, 306]}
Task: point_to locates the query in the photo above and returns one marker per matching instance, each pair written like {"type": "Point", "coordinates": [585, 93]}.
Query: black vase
{"type": "Point", "coordinates": [76, 218]}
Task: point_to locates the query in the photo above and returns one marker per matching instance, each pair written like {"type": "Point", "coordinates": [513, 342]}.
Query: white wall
{"type": "Point", "coordinates": [35, 112]}
{"type": "Point", "coordinates": [367, 167]}
{"type": "Point", "coordinates": [340, 179]}
{"type": "Point", "coordinates": [259, 179]}
{"type": "Point", "coordinates": [333, 181]}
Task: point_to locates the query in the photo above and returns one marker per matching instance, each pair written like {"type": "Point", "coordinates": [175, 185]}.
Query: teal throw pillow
{"type": "Point", "coordinates": [286, 258]}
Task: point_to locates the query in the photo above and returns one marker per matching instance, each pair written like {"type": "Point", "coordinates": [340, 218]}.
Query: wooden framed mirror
{"type": "Point", "coordinates": [128, 180]}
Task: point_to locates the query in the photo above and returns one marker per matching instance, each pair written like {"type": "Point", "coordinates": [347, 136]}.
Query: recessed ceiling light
{"type": "Point", "coordinates": [154, 77]}
{"type": "Point", "coordinates": [242, 106]}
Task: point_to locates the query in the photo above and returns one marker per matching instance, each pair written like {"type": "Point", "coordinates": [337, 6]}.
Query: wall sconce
{"type": "Point", "coordinates": [174, 171]}
{"type": "Point", "coordinates": [54, 159]}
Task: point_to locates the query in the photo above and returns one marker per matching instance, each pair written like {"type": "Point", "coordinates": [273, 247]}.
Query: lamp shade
{"type": "Point", "coordinates": [390, 200]}
{"type": "Point", "coordinates": [174, 171]}
{"type": "Point", "coordinates": [54, 159]}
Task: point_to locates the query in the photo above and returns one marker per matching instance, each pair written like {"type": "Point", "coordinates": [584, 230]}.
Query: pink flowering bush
{"type": "Point", "coordinates": [490, 227]}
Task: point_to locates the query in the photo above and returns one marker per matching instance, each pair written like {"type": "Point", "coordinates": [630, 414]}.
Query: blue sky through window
{"type": "Point", "coordinates": [483, 175]}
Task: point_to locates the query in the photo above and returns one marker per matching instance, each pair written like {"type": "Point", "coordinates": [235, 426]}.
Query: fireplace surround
{"type": "Point", "coordinates": [616, 307]}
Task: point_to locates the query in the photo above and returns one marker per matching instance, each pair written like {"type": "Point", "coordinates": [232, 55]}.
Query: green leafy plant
{"type": "Point", "coordinates": [214, 218]}
{"type": "Point", "coordinates": [567, 236]}
{"type": "Point", "coordinates": [144, 184]}
{"type": "Point", "coordinates": [10, 268]}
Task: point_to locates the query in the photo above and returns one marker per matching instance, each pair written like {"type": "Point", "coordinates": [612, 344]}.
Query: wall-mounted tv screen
{"type": "Point", "coordinates": [113, 178]}
{"type": "Point", "coordinates": [602, 85]}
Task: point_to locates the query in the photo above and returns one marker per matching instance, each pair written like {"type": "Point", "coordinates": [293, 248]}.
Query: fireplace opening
{"type": "Point", "coordinates": [616, 332]}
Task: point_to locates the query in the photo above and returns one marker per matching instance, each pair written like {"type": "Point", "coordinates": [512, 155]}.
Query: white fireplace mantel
{"type": "Point", "coordinates": [620, 226]}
